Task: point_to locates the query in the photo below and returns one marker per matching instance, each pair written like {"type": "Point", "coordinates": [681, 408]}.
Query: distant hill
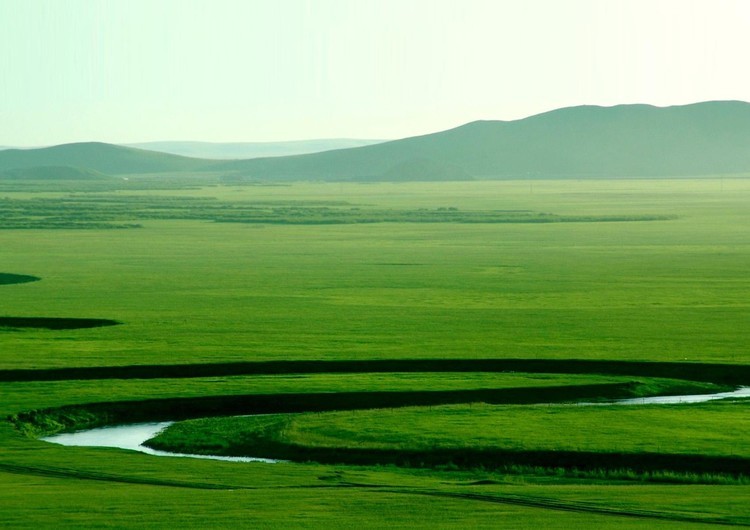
{"type": "Point", "coordinates": [101, 157]}
{"type": "Point", "coordinates": [244, 150]}
{"type": "Point", "coordinates": [52, 173]}
{"type": "Point", "coordinates": [587, 141]}
{"type": "Point", "coordinates": [623, 141]}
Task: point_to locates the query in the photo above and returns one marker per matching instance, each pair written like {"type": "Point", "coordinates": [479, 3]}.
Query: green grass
{"type": "Point", "coordinates": [36, 394]}
{"type": "Point", "coordinates": [120, 211]}
{"type": "Point", "coordinates": [28, 501]}
{"type": "Point", "coordinates": [714, 429]}
{"type": "Point", "coordinates": [196, 292]}
{"type": "Point", "coordinates": [642, 291]}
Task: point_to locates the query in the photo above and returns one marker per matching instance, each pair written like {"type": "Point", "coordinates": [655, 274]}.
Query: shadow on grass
{"type": "Point", "coordinates": [14, 323]}
{"type": "Point", "coordinates": [723, 374]}
{"type": "Point", "coordinates": [75, 417]}
{"type": "Point", "coordinates": [494, 459]}
{"type": "Point", "coordinates": [9, 279]}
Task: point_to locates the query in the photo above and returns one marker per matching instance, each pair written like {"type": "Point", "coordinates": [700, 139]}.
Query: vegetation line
{"type": "Point", "coordinates": [64, 473]}
{"type": "Point", "coordinates": [9, 279]}
{"type": "Point", "coordinates": [491, 458]}
{"type": "Point", "coordinates": [127, 211]}
{"type": "Point", "coordinates": [55, 323]}
{"type": "Point", "coordinates": [87, 475]}
{"type": "Point", "coordinates": [73, 417]}
{"type": "Point", "coordinates": [551, 504]}
{"type": "Point", "coordinates": [515, 500]}
{"type": "Point", "coordinates": [731, 374]}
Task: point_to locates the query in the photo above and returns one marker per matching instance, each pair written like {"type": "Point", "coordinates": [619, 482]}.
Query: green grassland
{"type": "Point", "coordinates": [662, 290]}
{"type": "Point", "coordinates": [665, 279]}
{"type": "Point", "coordinates": [109, 211]}
{"type": "Point", "coordinates": [20, 395]}
{"type": "Point", "coordinates": [481, 434]}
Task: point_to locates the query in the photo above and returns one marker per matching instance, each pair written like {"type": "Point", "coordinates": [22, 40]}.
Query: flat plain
{"type": "Point", "coordinates": [626, 270]}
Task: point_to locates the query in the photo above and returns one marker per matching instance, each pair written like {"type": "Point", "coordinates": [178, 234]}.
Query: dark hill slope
{"type": "Point", "coordinates": [52, 173]}
{"type": "Point", "coordinates": [626, 140]}
{"type": "Point", "coordinates": [101, 157]}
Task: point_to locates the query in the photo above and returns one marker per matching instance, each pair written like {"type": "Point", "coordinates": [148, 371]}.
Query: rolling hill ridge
{"type": "Point", "coordinates": [100, 157]}
{"type": "Point", "coordinates": [244, 150]}
{"type": "Point", "coordinates": [587, 141]}
{"type": "Point", "coordinates": [52, 173]}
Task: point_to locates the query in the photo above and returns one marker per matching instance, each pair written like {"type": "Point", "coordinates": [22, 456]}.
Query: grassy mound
{"type": "Point", "coordinates": [99, 157]}
{"type": "Point", "coordinates": [127, 401]}
{"type": "Point", "coordinates": [691, 438]}
{"type": "Point", "coordinates": [66, 418]}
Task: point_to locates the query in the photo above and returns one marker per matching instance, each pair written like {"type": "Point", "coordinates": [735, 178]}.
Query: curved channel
{"type": "Point", "coordinates": [741, 392]}
{"type": "Point", "coordinates": [133, 436]}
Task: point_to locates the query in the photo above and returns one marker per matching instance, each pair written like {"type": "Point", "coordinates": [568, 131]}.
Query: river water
{"type": "Point", "coordinates": [676, 400]}
{"type": "Point", "coordinates": [132, 436]}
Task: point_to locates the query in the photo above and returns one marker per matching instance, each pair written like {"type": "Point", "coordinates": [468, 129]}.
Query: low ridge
{"type": "Point", "coordinates": [52, 173]}
{"type": "Point", "coordinates": [701, 139]}
{"type": "Point", "coordinates": [104, 158]}
{"type": "Point", "coordinates": [587, 141]}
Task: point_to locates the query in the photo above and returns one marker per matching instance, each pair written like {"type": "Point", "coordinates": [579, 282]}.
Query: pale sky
{"type": "Point", "coordinates": [273, 70]}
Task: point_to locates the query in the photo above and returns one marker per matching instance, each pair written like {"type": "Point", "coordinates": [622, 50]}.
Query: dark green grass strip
{"type": "Point", "coordinates": [48, 421]}
{"type": "Point", "coordinates": [54, 323]}
{"type": "Point", "coordinates": [9, 279]}
{"type": "Point", "coordinates": [731, 374]}
{"type": "Point", "coordinates": [494, 459]}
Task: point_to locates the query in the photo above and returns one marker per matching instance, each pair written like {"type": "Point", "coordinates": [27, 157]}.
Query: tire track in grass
{"type": "Point", "coordinates": [735, 374]}
{"type": "Point", "coordinates": [513, 500]}
{"type": "Point", "coordinates": [567, 506]}
{"type": "Point", "coordinates": [74, 474]}
{"type": "Point", "coordinates": [56, 472]}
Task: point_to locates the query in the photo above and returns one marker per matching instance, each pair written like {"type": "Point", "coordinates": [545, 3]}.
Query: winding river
{"type": "Point", "coordinates": [134, 435]}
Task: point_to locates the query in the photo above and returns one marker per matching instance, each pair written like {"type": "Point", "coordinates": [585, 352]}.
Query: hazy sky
{"type": "Point", "coordinates": [268, 70]}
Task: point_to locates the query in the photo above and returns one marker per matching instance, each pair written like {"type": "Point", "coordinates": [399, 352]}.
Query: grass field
{"type": "Point", "coordinates": [690, 437]}
{"type": "Point", "coordinates": [715, 428]}
{"type": "Point", "coordinates": [667, 282]}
